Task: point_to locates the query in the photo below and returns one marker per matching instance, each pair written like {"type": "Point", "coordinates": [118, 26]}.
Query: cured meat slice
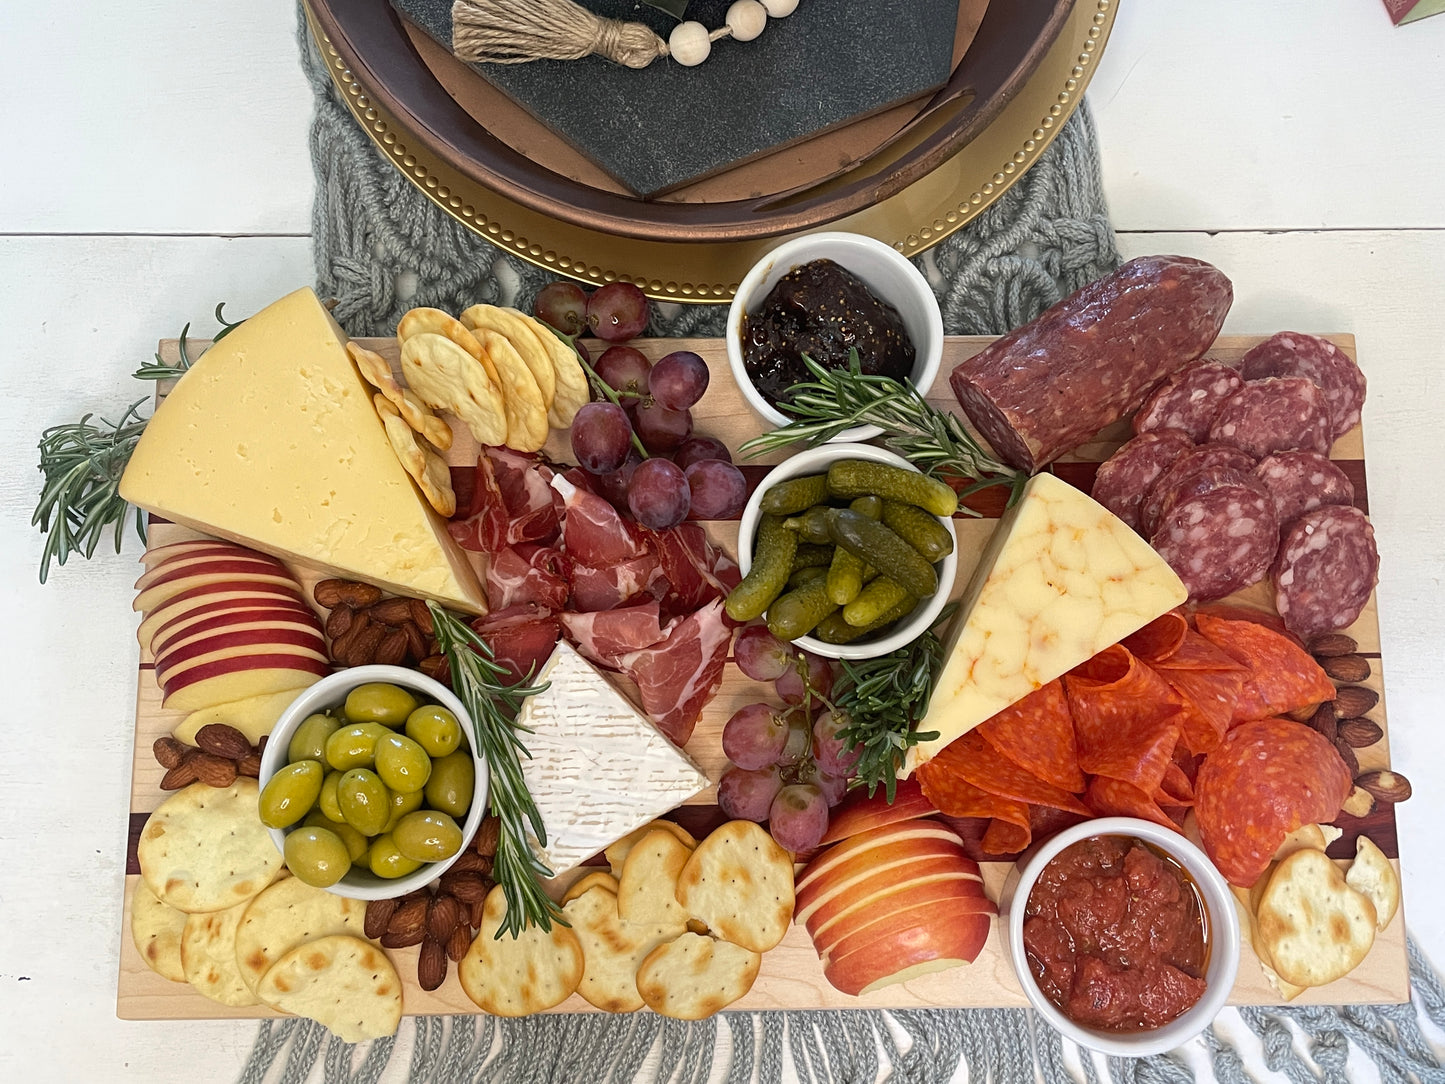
{"type": "Point", "coordinates": [1291, 353]}
{"type": "Point", "coordinates": [1189, 400]}
{"type": "Point", "coordinates": [1277, 414]}
{"type": "Point", "coordinates": [955, 796]}
{"type": "Point", "coordinates": [521, 638]}
{"type": "Point", "coordinates": [1204, 457]}
{"type": "Point", "coordinates": [1300, 482]}
{"type": "Point", "coordinates": [1037, 733]}
{"type": "Point", "coordinates": [527, 573]}
{"type": "Point", "coordinates": [1326, 569]}
{"type": "Point", "coordinates": [696, 571]}
{"type": "Point", "coordinates": [1127, 476]}
{"type": "Point", "coordinates": [1126, 718]}
{"type": "Point", "coordinates": [1281, 676]}
{"type": "Point", "coordinates": [1159, 639]}
{"type": "Point", "coordinates": [1269, 777]}
{"type": "Point", "coordinates": [1206, 481]}
{"type": "Point", "coordinates": [1220, 541]}
{"type": "Point", "coordinates": [677, 676]}
{"type": "Point", "coordinates": [534, 508]}
{"type": "Point", "coordinates": [978, 762]}
{"type": "Point", "coordinates": [593, 534]}
{"type": "Point", "coordinates": [1052, 384]}
{"type": "Point", "coordinates": [480, 522]}
{"type": "Point", "coordinates": [606, 636]}
{"type": "Point", "coordinates": [614, 585]}
{"type": "Point", "coordinates": [1005, 837]}
{"type": "Point", "coordinates": [1176, 788]}
{"type": "Point", "coordinates": [1108, 797]}
{"type": "Point", "coordinates": [1206, 680]}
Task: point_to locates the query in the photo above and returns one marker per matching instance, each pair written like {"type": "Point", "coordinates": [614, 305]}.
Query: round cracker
{"type": "Point", "coordinates": [612, 949]}
{"type": "Point", "coordinates": [418, 458]}
{"type": "Point", "coordinates": [343, 983]}
{"type": "Point", "coordinates": [522, 401]}
{"type": "Point", "coordinates": [517, 976]}
{"type": "Point", "coordinates": [617, 853]}
{"type": "Point", "coordinates": [376, 371]}
{"type": "Point", "coordinates": [740, 883]}
{"type": "Point", "coordinates": [647, 889]}
{"type": "Point", "coordinates": [1314, 927]}
{"type": "Point", "coordinates": [1372, 875]}
{"type": "Point", "coordinates": [205, 848]}
{"type": "Point", "coordinates": [208, 954]}
{"type": "Point", "coordinates": [445, 377]}
{"type": "Point", "coordinates": [694, 976]}
{"type": "Point", "coordinates": [156, 929]}
{"type": "Point", "coordinates": [509, 324]}
{"type": "Point", "coordinates": [288, 914]}
{"type": "Point", "coordinates": [429, 321]}
{"type": "Point", "coordinates": [596, 879]}
{"type": "Point", "coordinates": [572, 389]}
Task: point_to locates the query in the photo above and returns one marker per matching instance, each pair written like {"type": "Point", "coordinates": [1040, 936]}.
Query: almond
{"type": "Point", "coordinates": [422, 616]}
{"type": "Point", "coordinates": [1351, 668]}
{"type": "Point", "coordinates": [435, 666]}
{"type": "Point", "coordinates": [471, 860]}
{"type": "Point", "coordinates": [392, 649]}
{"type": "Point", "coordinates": [333, 593]}
{"type": "Point", "coordinates": [358, 646]}
{"type": "Point", "coordinates": [1324, 720]}
{"type": "Point", "coordinates": [467, 886]}
{"type": "Point", "coordinates": [214, 771]}
{"type": "Point", "coordinates": [460, 942]}
{"type": "Point", "coordinates": [1385, 786]}
{"type": "Point", "coordinates": [1332, 643]}
{"type": "Point", "coordinates": [488, 833]}
{"type": "Point", "coordinates": [1359, 803]}
{"type": "Point", "coordinates": [249, 766]}
{"type": "Point", "coordinates": [339, 620]}
{"type": "Point", "coordinates": [378, 917]}
{"type": "Point", "coordinates": [1360, 733]}
{"type": "Point", "coordinates": [477, 911]}
{"type": "Point", "coordinates": [169, 752]}
{"type": "Point", "coordinates": [409, 919]}
{"type": "Point", "coordinates": [223, 741]}
{"type": "Point", "coordinates": [401, 940]}
{"type": "Point", "coordinates": [392, 611]}
{"type": "Point", "coordinates": [442, 916]}
{"type": "Point", "coordinates": [183, 774]}
{"type": "Point", "coordinates": [415, 641]}
{"type": "Point", "coordinates": [1352, 701]}
{"type": "Point", "coordinates": [431, 965]}
{"type": "Point", "coordinates": [1347, 754]}
{"type": "Point", "coordinates": [1303, 715]}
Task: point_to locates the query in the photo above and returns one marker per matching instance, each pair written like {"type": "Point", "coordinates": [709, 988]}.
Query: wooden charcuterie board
{"type": "Point", "coordinates": [791, 976]}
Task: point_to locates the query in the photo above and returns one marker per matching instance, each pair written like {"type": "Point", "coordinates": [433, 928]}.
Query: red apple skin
{"type": "Point", "coordinates": [267, 632]}
{"type": "Point", "coordinates": [276, 660]}
{"type": "Point", "coordinates": [885, 890]}
{"type": "Point", "coordinates": [195, 565]}
{"type": "Point", "coordinates": [960, 938]}
{"type": "Point", "coordinates": [173, 551]}
{"type": "Point", "coordinates": [858, 812]}
{"type": "Point", "coordinates": [203, 616]}
{"type": "Point", "coordinates": [204, 600]}
{"type": "Point", "coordinates": [182, 630]}
{"type": "Point", "coordinates": [893, 862]}
{"type": "Point", "coordinates": [935, 904]}
{"type": "Point", "coordinates": [880, 842]}
{"type": "Point", "coordinates": [152, 597]}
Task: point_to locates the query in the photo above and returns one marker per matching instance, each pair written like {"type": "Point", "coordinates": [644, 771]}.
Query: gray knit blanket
{"type": "Point", "coordinates": [382, 248]}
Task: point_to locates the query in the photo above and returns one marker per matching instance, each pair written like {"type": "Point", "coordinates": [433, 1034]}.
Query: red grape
{"type": "Point", "coordinates": [617, 312]}
{"type": "Point", "coordinates": [797, 740]}
{"type": "Point", "coordinates": [820, 677]}
{"type": "Point", "coordinates": [563, 305]}
{"type": "Point", "coordinates": [658, 496]}
{"type": "Point", "coordinates": [719, 489]}
{"type": "Point", "coordinates": [761, 655]}
{"type": "Point", "coordinates": [660, 429]}
{"type": "Point", "coordinates": [798, 817]}
{"type": "Point", "coordinates": [601, 437]}
{"type": "Point", "coordinates": [613, 487]}
{"type": "Point", "coordinates": [624, 369]}
{"type": "Point", "coordinates": [828, 749]}
{"type": "Point", "coordinates": [754, 736]}
{"type": "Point", "coordinates": [748, 795]}
{"type": "Point", "coordinates": [834, 787]}
{"type": "Point", "coordinates": [679, 379]}
{"type": "Point", "coordinates": [697, 449]}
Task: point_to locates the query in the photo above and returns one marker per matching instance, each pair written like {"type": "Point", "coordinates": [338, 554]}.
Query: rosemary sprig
{"type": "Point", "coordinates": [931, 439]}
{"type": "Point", "coordinates": [884, 699]}
{"type": "Point", "coordinates": [493, 705]}
{"type": "Point", "coordinates": [164, 370]}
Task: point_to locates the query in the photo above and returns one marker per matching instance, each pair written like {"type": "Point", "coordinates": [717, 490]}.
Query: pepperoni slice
{"type": "Point", "coordinates": [978, 762]}
{"type": "Point", "coordinates": [1005, 837]}
{"type": "Point", "coordinates": [1208, 681]}
{"type": "Point", "coordinates": [1037, 733]}
{"type": "Point", "coordinates": [1282, 676]}
{"type": "Point", "coordinates": [1159, 639]}
{"type": "Point", "coordinates": [955, 796]}
{"type": "Point", "coordinates": [1115, 798]}
{"type": "Point", "coordinates": [1269, 777]}
{"type": "Point", "coordinates": [1126, 718]}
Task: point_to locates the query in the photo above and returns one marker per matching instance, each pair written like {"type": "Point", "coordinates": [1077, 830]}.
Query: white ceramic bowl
{"type": "Point", "coordinates": [330, 692]}
{"type": "Point", "coordinates": [884, 269]}
{"type": "Point", "coordinates": [816, 461]}
{"type": "Point", "coordinates": [1222, 931]}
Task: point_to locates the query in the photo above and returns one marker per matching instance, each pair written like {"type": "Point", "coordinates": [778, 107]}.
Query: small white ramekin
{"type": "Point", "coordinates": [816, 461]}
{"type": "Point", "coordinates": [887, 273]}
{"type": "Point", "coordinates": [330, 692]}
{"type": "Point", "coordinates": [1222, 932]}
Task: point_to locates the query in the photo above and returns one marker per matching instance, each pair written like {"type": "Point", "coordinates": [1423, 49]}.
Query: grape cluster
{"type": "Point", "coordinates": [640, 447]}
{"type": "Point", "coordinates": [789, 764]}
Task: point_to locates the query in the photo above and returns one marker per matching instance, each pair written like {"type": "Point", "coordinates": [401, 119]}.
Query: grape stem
{"type": "Point", "coordinates": [611, 394]}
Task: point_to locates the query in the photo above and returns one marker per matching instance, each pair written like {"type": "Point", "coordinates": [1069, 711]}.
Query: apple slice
{"type": "Point", "coordinates": [288, 634]}
{"type": "Point", "coordinates": [214, 615]}
{"type": "Point", "coordinates": [883, 846]}
{"type": "Point", "coordinates": [202, 562]}
{"type": "Point", "coordinates": [947, 942]}
{"type": "Point", "coordinates": [237, 677]}
{"type": "Point", "coordinates": [907, 834]}
{"type": "Point", "coordinates": [153, 596]}
{"type": "Point", "coordinates": [213, 600]}
{"type": "Point", "coordinates": [858, 812]}
{"type": "Point", "coordinates": [895, 860]}
{"type": "Point", "coordinates": [254, 716]}
{"type": "Point", "coordinates": [266, 640]}
{"type": "Point", "coordinates": [936, 886]}
{"type": "Point", "coordinates": [844, 892]}
{"type": "Point", "coordinates": [152, 558]}
{"type": "Point", "coordinates": [939, 906]}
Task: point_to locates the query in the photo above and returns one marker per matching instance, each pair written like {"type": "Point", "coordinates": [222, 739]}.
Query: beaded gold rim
{"type": "Point", "coordinates": [540, 240]}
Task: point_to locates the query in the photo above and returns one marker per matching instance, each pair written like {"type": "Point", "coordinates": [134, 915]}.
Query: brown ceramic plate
{"type": "Point", "coordinates": [1009, 44]}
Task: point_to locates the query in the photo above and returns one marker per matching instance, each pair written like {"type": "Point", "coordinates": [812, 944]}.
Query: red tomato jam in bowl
{"type": "Point", "coordinates": [1115, 935]}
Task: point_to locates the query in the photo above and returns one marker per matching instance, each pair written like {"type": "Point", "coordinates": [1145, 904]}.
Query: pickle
{"type": "Point", "coordinates": [812, 525]}
{"type": "Point", "coordinates": [834, 629]}
{"type": "Point", "coordinates": [773, 550]}
{"type": "Point", "coordinates": [847, 572]}
{"type": "Point", "coordinates": [801, 577]}
{"type": "Point", "coordinates": [875, 600]}
{"type": "Point", "coordinates": [795, 613]}
{"type": "Point", "coordinates": [795, 495]}
{"type": "Point", "coordinates": [807, 555]}
{"type": "Point", "coordinates": [880, 547]}
{"type": "Point", "coordinates": [860, 477]}
{"type": "Point", "coordinates": [919, 529]}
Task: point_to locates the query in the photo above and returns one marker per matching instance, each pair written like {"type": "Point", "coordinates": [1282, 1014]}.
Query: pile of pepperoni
{"type": "Point", "coordinates": [1229, 478]}
{"type": "Point", "coordinates": [1181, 714]}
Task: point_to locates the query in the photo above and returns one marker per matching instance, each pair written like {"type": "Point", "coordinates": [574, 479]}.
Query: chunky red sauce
{"type": "Point", "coordinates": [1115, 935]}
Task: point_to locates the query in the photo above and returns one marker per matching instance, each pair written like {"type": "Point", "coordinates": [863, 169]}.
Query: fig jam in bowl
{"type": "Point", "coordinates": [821, 294]}
{"type": "Point", "coordinates": [1123, 935]}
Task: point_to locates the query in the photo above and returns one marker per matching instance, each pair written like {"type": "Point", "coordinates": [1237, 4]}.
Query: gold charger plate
{"type": "Point", "coordinates": [913, 220]}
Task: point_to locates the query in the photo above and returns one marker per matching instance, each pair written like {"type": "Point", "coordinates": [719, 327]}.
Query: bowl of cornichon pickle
{"type": "Point", "coordinates": [846, 550]}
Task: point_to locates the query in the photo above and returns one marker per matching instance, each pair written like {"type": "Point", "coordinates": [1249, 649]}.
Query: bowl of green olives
{"type": "Point", "coordinates": [370, 784]}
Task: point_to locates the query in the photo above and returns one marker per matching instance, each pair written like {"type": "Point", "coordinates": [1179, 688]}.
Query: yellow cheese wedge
{"type": "Point", "coordinates": [271, 440]}
{"type": "Point", "coordinates": [1061, 579]}
{"type": "Point", "coordinates": [253, 717]}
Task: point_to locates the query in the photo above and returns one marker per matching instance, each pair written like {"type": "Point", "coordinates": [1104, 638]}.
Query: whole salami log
{"type": "Point", "coordinates": [1291, 353]}
{"type": "Point", "coordinates": [1326, 568]}
{"type": "Point", "coordinates": [1045, 388]}
{"type": "Point", "coordinates": [1129, 474]}
{"type": "Point", "coordinates": [1205, 457]}
{"type": "Point", "coordinates": [1276, 414]}
{"type": "Point", "coordinates": [1219, 542]}
{"type": "Point", "coordinates": [1189, 400]}
{"type": "Point", "coordinates": [1300, 482]}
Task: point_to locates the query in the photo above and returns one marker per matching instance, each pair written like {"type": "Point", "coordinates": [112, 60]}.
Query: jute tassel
{"type": "Point", "coordinates": [518, 31]}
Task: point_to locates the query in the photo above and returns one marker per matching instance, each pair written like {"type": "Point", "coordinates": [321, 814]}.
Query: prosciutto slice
{"type": "Point", "coordinates": [606, 636]}
{"type": "Point", "coordinates": [521, 637]}
{"type": "Point", "coordinates": [615, 585]}
{"type": "Point", "coordinates": [593, 534]}
{"type": "Point", "coordinates": [534, 508]}
{"type": "Point", "coordinates": [696, 572]}
{"type": "Point", "coordinates": [481, 522]}
{"type": "Point", "coordinates": [677, 676]}
{"type": "Point", "coordinates": [528, 573]}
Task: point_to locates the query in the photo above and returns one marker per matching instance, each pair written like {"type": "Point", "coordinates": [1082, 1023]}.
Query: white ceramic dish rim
{"type": "Point", "coordinates": [816, 459]}
{"type": "Point", "coordinates": [331, 691]}
{"type": "Point", "coordinates": [1223, 931]}
{"type": "Point", "coordinates": [833, 245]}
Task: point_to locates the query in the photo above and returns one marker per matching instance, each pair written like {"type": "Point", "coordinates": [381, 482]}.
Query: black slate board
{"type": "Point", "coordinates": [830, 62]}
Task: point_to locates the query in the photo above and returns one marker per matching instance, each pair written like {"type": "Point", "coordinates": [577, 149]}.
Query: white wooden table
{"type": "Point", "coordinates": [1297, 144]}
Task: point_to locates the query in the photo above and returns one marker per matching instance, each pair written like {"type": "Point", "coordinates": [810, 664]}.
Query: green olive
{"type": "Point", "coordinates": [386, 861]}
{"type": "Point", "coordinates": [354, 746]}
{"type": "Point", "coordinates": [402, 803]}
{"type": "Point", "coordinates": [290, 793]}
{"type": "Point", "coordinates": [402, 763]}
{"type": "Point", "coordinates": [427, 836]}
{"type": "Point", "coordinates": [317, 856]}
{"type": "Point", "coordinates": [379, 702]}
{"type": "Point", "coordinates": [327, 803]}
{"type": "Point", "coordinates": [308, 741]}
{"type": "Point", "coordinates": [435, 729]}
{"type": "Point", "coordinates": [356, 843]}
{"type": "Point", "coordinates": [453, 780]}
{"type": "Point", "coordinates": [365, 802]}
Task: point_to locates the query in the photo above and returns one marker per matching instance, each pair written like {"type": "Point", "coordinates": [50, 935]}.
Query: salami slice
{"type": "Point", "coordinates": [1127, 476]}
{"type": "Point", "coordinates": [1187, 487]}
{"type": "Point", "coordinates": [1277, 414]}
{"type": "Point", "coordinates": [1291, 353]}
{"type": "Point", "coordinates": [1326, 569]}
{"type": "Point", "coordinates": [1114, 798]}
{"type": "Point", "coordinates": [1038, 733]}
{"type": "Point", "coordinates": [1282, 677]}
{"type": "Point", "coordinates": [1219, 542]}
{"type": "Point", "coordinates": [1300, 482]}
{"type": "Point", "coordinates": [1188, 400]}
{"type": "Point", "coordinates": [1269, 777]}
{"type": "Point", "coordinates": [978, 762]}
{"type": "Point", "coordinates": [1204, 457]}
{"type": "Point", "coordinates": [1126, 718]}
